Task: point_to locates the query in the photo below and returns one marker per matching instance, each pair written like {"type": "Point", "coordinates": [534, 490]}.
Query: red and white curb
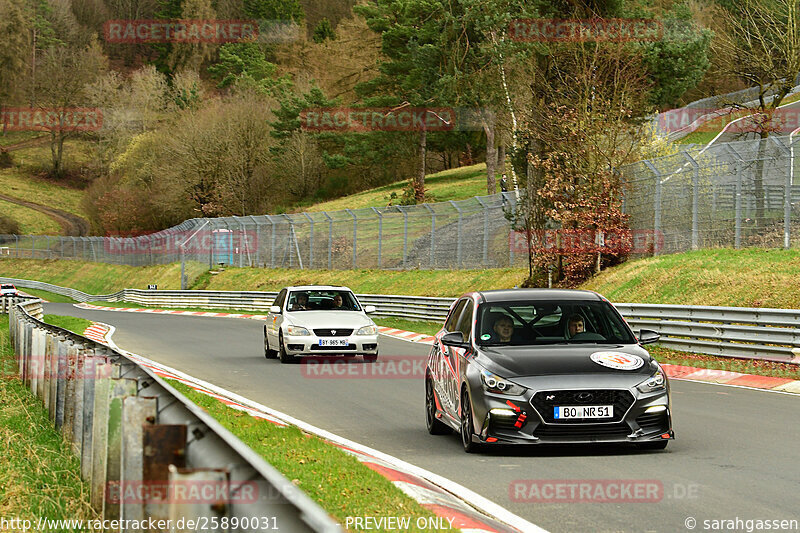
{"type": "Point", "coordinates": [462, 508]}
{"type": "Point", "coordinates": [97, 332]}
{"type": "Point", "coordinates": [169, 312]}
{"type": "Point", "coordinates": [391, 332]}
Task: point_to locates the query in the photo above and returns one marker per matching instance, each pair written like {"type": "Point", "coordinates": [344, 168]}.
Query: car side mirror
{"type": "Point", "coordinates": [369, 309]}
{"type": "Point", "coordinates": [455, 339]}
{"type": "Point", "coordinates": [276, 309]}
{"type": "Point", "coordinates": [648, 336]}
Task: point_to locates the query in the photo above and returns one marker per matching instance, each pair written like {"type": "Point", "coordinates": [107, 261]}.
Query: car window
{"type": "Point", "coordinates": [465, 321]}
{"type": "Point", "coordinates": [550, 323]}
{"type": "Point", "coordinates": [322, 300]}
{"type": "Point", "coordinates": [452, 320]}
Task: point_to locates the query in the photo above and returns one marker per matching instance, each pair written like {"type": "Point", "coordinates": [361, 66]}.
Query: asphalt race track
{"type": "Point", "coordinates": [736, 453]}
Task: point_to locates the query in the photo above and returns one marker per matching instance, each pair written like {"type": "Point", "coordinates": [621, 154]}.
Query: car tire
{"type": "Point", "coordinates": [466, 425]}
{"type": "Point", "coordinates": [434, 425]}
{"type": "Point", "coordinates": [284, 357]}
{"type": "Point", "coordinates": [268, 352]}
{"type": "Point", "coordinates": [370, 358]}
{"type": "Point", "coordinates": [654, 445]}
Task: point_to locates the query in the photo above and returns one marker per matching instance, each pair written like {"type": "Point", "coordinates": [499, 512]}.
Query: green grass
{"type": "Point", "coordinates": [454, 184]}
{"type": "Point", "coordinates": [750, 277]}
{"type": "Point", "coordinates": [98, 278]}
{"type": "Point", "coordinates": [334, 479]}
{"type": "Point", "coordinates": [39, 475]}
{"type": "Point", "coordinates": [14, 137]}
{"type": "Point", "coordinates": [417, 326]}
{"type": "Point", "coordinates": [19, 183]}
{"type": "Point", "coordinates": [760, 368]}
{"type": "Point", "coordinates": [49, 296]}
{"type": "Point", "coordinates": [31, 222]}
{"type": "Point", "coordinates": [197, 309]}
{"type": "Point", "coordinates": [70, 323]}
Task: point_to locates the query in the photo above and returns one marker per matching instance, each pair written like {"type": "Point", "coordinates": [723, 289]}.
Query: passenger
{"type": "Point", "coordinates": [575, 325]}
{"type": "Point", "coordinates": [504, 328]}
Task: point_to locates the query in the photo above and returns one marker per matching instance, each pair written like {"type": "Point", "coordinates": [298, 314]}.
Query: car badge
{"type": "Point", "coordinates": [617, 360]}
{"type": "Point", "coordinates": [333, 332]}
{"type": "Point", "coordinates": [550, 397]}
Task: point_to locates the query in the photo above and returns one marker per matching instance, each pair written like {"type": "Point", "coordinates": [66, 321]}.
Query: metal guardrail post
{"type": "Point", "coordinates": [136, 413]}
{"type": "Point", "coordinates": [120, 389]}
{"type": "Point", "coordinates": [695, 200]}
{"type": "Point", "coordinates": [102, 389]}
{"type": "Point", "coordinates": [656, 202]}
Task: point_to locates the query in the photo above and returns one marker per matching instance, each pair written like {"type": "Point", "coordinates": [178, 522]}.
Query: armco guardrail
{"type": "Point", "coordinates": [755, 333]}
{"type": "Point", "coordinates": [145, 449]}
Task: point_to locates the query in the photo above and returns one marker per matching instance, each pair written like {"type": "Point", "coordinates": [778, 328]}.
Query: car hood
{"type": "Point", "coordinates": [329, 319]}
{"type": "Point", "coordinates": [527, 364]}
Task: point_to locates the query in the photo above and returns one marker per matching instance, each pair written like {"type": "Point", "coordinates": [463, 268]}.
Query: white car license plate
{"type": "Point", "coordinates": [333, 342]}
{"type": "Point", "coordinates": [583, 411]}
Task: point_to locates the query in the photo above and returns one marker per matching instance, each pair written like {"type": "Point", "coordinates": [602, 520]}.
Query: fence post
{"type": "Point", "coordinates": [310, 240]}
{"type": "Point", "coordinates": [695, 200]}
{"type": "Point", "coordinates": [656, 203]}
{"type": "Point", "coordinates": [405, 235]}
{"type": "Point", "coordinates": [257, 263]}
{"type": "Point", "coordinates": [380, 234]}
{"type": "Point", "coordinates": [458, 233]}
{"type": "Point", "coordinates": [485, 231]}
{"type": "Point", "coordinates": [272, 243]}
{"type": "Point", "coordinates": [330, 239]}
{"type": "Point", "coordinates": [787, 196]}
{"type": "Point", "coordinates": [433, 233]}
{"type": "Point", "coordinates": [738, 202]}
{"type": "Point", "coordinates": [355, 236]}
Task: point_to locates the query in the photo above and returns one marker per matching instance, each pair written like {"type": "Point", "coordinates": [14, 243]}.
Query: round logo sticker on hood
{"type": "Point", "coordinates": [617, 360]}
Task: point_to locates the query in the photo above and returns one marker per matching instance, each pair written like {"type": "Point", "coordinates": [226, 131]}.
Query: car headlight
{"type": "Point", "coordinates": [498, 385]}
{"type": "Point", "coordinates": [656, 382]}
{"type": "Point", "coordinates": [297, 331]}
{"type": "Point", "coordinates": [367, 330]}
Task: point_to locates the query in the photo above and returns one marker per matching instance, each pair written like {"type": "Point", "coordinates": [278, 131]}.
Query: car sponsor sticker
{"type": "Point", "coordinates": [617, 360]}
{"type": "Point", "coordinates": [485, 337]}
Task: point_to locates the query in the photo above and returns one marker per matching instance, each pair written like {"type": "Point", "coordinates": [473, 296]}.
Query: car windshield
{"type": "Point", "coordinates": [322, 300]}
{"type": "Point", "coordinates": [521, 323]}
{"type": "Point", "coordinates": [11, 287]}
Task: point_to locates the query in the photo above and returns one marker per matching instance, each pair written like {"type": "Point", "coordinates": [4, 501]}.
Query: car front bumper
{"type": "Point", "coordinates": [309, 345]}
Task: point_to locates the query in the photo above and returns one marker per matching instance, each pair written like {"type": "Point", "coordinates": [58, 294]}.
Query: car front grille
{"type": "Point", "coordinates": [652, 422]}
{"type": "Point", "coordinates": [620, 430]}
{"type": "Point", "coordinates": [545, 401]}
{"type": "Point", "coordinates": [333, 332]}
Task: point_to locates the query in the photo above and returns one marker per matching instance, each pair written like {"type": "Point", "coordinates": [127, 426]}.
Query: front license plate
{"type": "Point", "coordinates": [333, 342]}
{"type": "Point", "coordinates": [583, 411]}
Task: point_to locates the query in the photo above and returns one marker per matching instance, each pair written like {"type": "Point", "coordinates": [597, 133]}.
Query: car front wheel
{"type": "Point", "coordinates": [284, 357]}
{"type": "Point", "coordinates": [268, 352]}
{"type": "Point", "coordinates": [467, 429]}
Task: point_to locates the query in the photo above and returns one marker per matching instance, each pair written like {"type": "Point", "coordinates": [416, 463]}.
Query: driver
{"type": "Point", "coordinates": [575, 325]}
{"type": "Point", "coordinates": [504, 328]}
{"type": "Point", "coordinates": [337, 301]}
{"type": "Point", "coordinates": [300, 302]}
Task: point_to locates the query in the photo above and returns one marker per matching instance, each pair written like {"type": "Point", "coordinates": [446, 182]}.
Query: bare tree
{"type": "Point", "coordinates": [760, 44]}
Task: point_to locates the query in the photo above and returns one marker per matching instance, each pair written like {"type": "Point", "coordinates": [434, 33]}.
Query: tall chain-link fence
{"type": "Point", "coordinates": [471, 233]}
{"type": "Point", "coordinates": [730, 194]}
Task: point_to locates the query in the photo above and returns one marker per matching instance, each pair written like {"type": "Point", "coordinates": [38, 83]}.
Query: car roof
{"type": "Point", "coordinates": [317, 288]}
{"type": "Point", "coordinates": [537, 295]}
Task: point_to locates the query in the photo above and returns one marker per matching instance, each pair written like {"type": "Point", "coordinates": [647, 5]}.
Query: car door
{"type": "Point", "coordinates": [457, 356]}
{"type": "Point", "coordinates": [274, 320]}
{"type": "Point", "coordinates": [439, 364]}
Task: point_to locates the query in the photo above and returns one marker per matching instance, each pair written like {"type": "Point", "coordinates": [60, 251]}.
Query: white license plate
{"type": "Point", "coordinates": [333, 342]}
{"type": "Point", "coordinates": [583, 411]}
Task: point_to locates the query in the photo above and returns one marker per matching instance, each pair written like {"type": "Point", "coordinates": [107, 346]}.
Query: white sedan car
{"type": "Point", "coordinates": [319, 320]}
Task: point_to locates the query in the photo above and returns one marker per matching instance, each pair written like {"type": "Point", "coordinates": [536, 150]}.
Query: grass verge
{"type": "Point", "coordinates": [31, 222]}
{"type": "Point", "coordinates": [50, 296]}
{"type": "Point", "coordinates": [745, 366]}
{"type": "Point", "coordinates": [39, 475]}
{"type": "Point", "coordinates": [334, 479]}
{"type": "Point", "coordinates": [70, 323]}
{"type": "Point", "coordinates": [417, 326]}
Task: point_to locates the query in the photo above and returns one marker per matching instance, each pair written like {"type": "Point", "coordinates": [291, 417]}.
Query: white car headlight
{"type": "Point", "coordinates": [297, 331]}
{"type": "Point", "coordinates": [498, 385]}
{"type": "Point", "coordinates": [367, 330]}
{"type": "Point", "coordinates": [656, 382]}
